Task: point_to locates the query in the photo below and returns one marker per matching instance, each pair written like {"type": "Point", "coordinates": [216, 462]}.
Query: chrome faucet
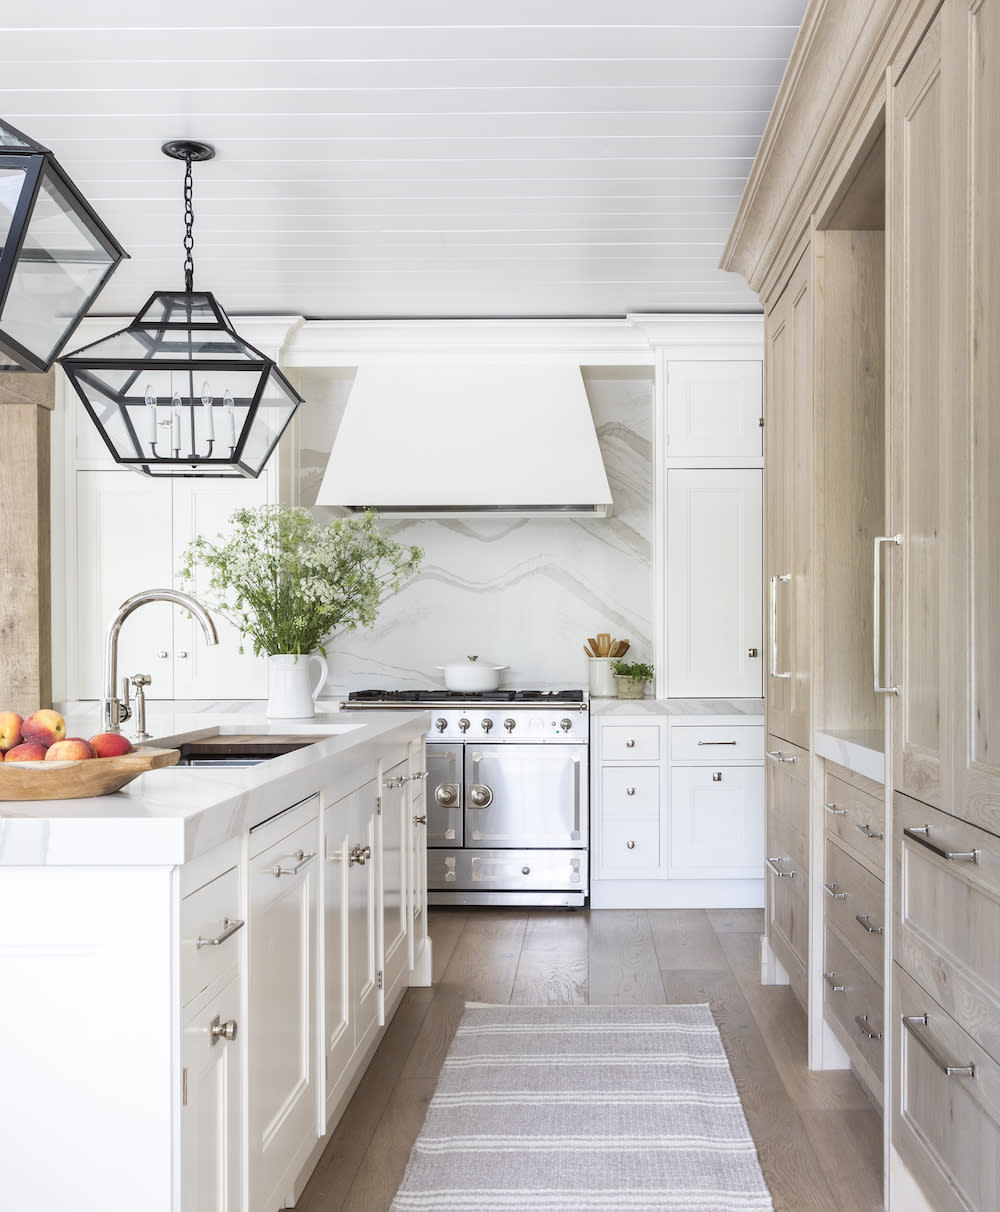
{"type": "Point", "coordinates": [113, 709]}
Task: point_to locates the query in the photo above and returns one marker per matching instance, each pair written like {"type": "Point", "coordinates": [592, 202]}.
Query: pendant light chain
{"type": "Point", "coordinates": [188, 225]}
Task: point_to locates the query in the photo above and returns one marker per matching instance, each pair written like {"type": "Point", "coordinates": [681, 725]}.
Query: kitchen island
{"type": "Point", "coordinates": [197, 969]}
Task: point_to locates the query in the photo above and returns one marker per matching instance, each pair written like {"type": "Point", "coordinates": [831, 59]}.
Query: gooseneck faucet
{"type": "Point", "coordinates": [113, 710]}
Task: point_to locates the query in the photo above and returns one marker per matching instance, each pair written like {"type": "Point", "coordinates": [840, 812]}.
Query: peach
{"type": "Point", "coordinates": [45, 726]}
{"type": "Point", "coordinates": [72, 749]}
{"type": "Point", "coordinates": [110, 744]}
{"type": "Point", "coordinates": [10, 730]}
{"type": "Point", "coordinates": [27, 751]}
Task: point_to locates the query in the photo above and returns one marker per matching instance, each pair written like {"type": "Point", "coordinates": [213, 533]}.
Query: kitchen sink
{"type": "Point", "coordinates": [228, 749]}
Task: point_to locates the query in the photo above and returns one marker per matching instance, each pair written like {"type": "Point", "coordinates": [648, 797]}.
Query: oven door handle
{"type": "Point", "coordinates": [575, 836]}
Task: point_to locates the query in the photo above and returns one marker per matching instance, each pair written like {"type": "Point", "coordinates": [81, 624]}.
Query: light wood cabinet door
{"type": "Point", "coordinates": [976, 569]}
{"type": "Point", "coordinates": [714, 569]}
{"type": "Point", "coordinates": [787, 509]}
{"type": "Point", "coordinates": [918, 400]}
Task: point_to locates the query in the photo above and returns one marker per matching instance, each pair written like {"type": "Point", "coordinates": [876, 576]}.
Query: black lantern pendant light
{"type": "Point", "coordinates": [178, 393]}
{"type": "Point", "coordinates": [55, 254]}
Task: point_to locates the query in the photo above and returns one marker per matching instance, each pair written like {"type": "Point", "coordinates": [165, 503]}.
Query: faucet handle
{"type": "Point", "coordinates": [124, 710]}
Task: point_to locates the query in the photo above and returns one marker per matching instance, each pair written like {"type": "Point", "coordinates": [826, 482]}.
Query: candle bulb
{"type": "Point", "coordinates": [175, 424]}
{"type": "Point", "coordinates": [150, 415]}
{"type": "Point", "coordinates": [229, 407]}
{"type": "Point", "coordinates": [206, 399]}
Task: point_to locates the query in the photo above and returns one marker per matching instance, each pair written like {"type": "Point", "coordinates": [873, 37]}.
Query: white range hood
{"type": "Point", "coordinates": [462, 440]}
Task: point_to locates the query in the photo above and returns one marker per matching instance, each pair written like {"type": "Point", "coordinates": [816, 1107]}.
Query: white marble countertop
{"type": "Point", "coordinates": [860, 751]}
{"type": "Point", "coordinates": [167, 817]}
{"type": "Point", "coordinates": [751, 710]}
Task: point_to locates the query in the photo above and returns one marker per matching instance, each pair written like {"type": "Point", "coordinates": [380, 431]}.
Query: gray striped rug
{"type": "Point", "coordinates": [585, 1107]}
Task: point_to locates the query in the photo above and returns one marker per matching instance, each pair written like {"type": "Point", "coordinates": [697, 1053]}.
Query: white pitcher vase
{"type": "Point", "coordinates": [291, 693]}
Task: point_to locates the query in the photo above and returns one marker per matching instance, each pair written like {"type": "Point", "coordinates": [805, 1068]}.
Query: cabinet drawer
{"type": "Point", "coordinates": [791, 761]}
{"type": "Point", "coordinates": [632, 791]}
{"type": "Point", "coordinates": [788, 893]}
{"type": "Point", "coordinates": [272, 830]}
{"type": "Point", "coordinates": [955, 1119]}
{"type": "Point", "coordinates": [855, 904]}
{"type": "Point", "coordinates": [210, 939]}
{"type": "Point", "coordinates": [788, 795]}
{"type": "Point", "coordinates": [631, 742]}
{"type": "Point", "coordinates": [629, 848]}
{"type": "Point", "coordinates": [948, 911]}
{"type": "Point", "coordinates": [851, 994]}
{"type": "Point", "coordinates": [856, 819]}
{"type": "Point", "coordinates": [715, 743]}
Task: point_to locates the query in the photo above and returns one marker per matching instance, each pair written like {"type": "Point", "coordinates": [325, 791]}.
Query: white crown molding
{"type": "Point", "coordinates": [713, 338]}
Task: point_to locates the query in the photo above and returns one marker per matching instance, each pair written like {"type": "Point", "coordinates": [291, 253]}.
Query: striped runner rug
{"type": "Point", "coordinates": [585, 1107]}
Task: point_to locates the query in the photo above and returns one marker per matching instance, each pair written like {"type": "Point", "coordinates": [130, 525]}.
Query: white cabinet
{"type": "Point", "coordinates": [131, 534]}
{"type": "Point", "coordinates": [714, 410]}
{"type": "Point", "coordinates": [714, 582]}
{"type": "Point", "coordinates": [283, 889]}
{"type": "Point", "coordinates": [419, 943]}
{"type": "Point", "coordinates": [394, 907]}
{"type": "Point", "coordinates": [717, 821]}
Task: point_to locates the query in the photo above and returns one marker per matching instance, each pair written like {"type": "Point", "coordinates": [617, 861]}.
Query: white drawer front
{"type": "Point", "coordinates": [715, 743]}
{"type": "Point", "coordinates": [631, 742]}
{"type": "Point", "coordinates": [629, 848]}
{"type": "Point", "coordinates": [210, 939]}
{"type": "Point", "coordinates": [632, 791]}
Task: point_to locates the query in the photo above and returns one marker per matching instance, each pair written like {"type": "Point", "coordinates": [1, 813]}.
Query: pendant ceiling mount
{"type": "Point", "coordinates": [179, 392]}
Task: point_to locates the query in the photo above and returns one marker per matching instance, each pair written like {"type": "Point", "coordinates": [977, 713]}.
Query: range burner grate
{"type": "Point", "coordinates": [461, 696]}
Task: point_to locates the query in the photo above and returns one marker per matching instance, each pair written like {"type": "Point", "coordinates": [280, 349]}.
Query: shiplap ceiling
{"type": "Point", "coordinates": [397, 158]}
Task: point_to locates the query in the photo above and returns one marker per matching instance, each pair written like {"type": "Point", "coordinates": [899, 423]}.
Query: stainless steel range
{"type": "Point", "coordinates": [507, 794]}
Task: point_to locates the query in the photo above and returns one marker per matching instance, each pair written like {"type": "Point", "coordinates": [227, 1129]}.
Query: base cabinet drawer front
{"type": "Point", "coordinates": [716, 821]}
{"type": "Point", "coordinates": [791, 760]}
{"type": "Point", "coordinates": [854, 901]}
{"type": "Point", "coordinates": [787, 779]}
{"type": "Point", "coordinates": [508, 870]}
{"type": "Point", "coordinates": [630, 848]}
{"type": "Point", "coordinates": [946, 1127]}
{"type": "Point", "coordinates": [787, 891]}
{"type": "Point", "coordinates": [632, 791]}
{"type": "Point", "coordinates": [716, 743]}
{"type": "Point", "coordinates": [855, 999]}
{"type": "Point", "coordinates": [631, 742]}
{"type": "Point", "coordinates": [856, 819]}
{"type": "Point", "coordinates": [947, 930]}
{"type": "Point", "coordinates": [210, 933]}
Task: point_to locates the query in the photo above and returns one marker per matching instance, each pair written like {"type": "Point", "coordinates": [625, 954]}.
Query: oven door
{"type": "Point", "coordinates": [444, 794]}
{"type": "Point", "coordinates": [526, 796]}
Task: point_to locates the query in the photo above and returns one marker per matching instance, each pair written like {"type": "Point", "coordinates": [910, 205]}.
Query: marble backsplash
{"type": "Point", "coordinates": [521, 592]}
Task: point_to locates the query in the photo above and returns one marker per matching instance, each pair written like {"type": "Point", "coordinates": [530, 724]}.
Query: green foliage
{"type": "Point", "coordinates": [288, 583]}
{"type": "Point", "coordinates": [632, 669]}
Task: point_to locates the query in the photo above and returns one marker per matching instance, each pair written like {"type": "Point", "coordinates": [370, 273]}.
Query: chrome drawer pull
{"type": "Point", "coordinates": [417, 775]}
{"type": "Point", "coordinates": [785, 578]}
{"type": "Point", "coordinates": [921, 835]}
{"type": "Point", "coordinates": [775, 756]}
{"type": "Point", "coordinates": [784, 875]}
{"type": "Point", "coordinates": [834, 810]}
{"type": "Point", "coordinates": [831, 980]}
{"type": "Point", "coordinates": [303, 861]}
{"type": "Point", "coordinates": [862, 1021]}
{"type": "Point", "coordinates": [866, 832]}
{"type": "Point", "coordinates": [392, 784]}
{"type": "Point", "coordinates": [913, 1023]}
{"type": "Point", "coordinates": [896, 540]}
{"type": "Point", "coordinates": [834, 891]}
{"type": "Point", "coordinates": [229, 927]}
{"type": "Point", "coordinates": [864, 919]}
{"type": "Point", "coordinates": [359, 854]}
{"type": "Point", "coordinates": [716, 742]}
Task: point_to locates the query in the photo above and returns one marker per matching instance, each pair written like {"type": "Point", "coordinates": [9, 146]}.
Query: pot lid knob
{"type": "Point", "coordinates": [473, 658]}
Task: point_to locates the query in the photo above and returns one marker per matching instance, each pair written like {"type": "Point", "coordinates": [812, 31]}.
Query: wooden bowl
{"type": "Point", "coordinates": [77, 780]}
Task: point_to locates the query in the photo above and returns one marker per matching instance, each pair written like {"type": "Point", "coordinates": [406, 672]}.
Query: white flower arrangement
{"type": "Point", "coordinates": [288, 582]}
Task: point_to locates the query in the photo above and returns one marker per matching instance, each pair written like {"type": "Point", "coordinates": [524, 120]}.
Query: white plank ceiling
{"type": "Point", "coordinates": [405, 158]}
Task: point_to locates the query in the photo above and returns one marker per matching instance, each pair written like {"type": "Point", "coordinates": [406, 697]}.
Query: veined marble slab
{"type": "Point", "coordinates": [862, 752]}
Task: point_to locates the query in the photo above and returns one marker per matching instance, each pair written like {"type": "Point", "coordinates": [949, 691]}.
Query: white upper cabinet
{"type": "Point", "coordinates": [714, 410]}
{"type": "Point", "coordinates": [714, 583]}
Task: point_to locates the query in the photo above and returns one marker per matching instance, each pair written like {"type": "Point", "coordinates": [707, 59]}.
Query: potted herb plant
{"type": "Point", "coordinates": [288, 583]}
{"type": "Point", "coordinates": [631, 678]}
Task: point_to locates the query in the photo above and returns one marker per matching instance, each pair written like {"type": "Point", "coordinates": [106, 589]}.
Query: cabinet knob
{"type": "Point", "coordinates": [716, 776]}
{"type": "Point", "coordinates": [223, 1030]}
{"type": "Point", "coordinates": [525, 870]}
{"type": "Point", "coordinates": [630, 744]}
{"type": "Point", "coordinates": [162, 654]}
{"type": "Point", "coordinates": [630, 845]}
{"type": "Point", "coordinates": [630, 791]}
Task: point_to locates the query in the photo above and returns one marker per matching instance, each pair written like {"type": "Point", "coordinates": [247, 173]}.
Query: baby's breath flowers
{"type": "Point", "coordinates": [288, 582]}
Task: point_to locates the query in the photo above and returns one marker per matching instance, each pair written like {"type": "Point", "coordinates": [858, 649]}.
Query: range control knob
{"type": "Point", "coordinates": [441, 724]}
{"type": "Point", "coordinates": [487, 724]}
{"type": "Point", "coordinates": [565, 724]}
{"type": "Point", "coordinates": [509, 724]}
{"type": "Point", "coordinates": [463, 724]}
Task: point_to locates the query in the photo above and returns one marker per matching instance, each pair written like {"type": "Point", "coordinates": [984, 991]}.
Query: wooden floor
{"type": "Point", "coordinates": [819, 1140]}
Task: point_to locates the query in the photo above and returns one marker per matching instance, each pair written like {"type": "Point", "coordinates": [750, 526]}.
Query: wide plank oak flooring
{"type": "Point", "coordinates": [818, 1137]}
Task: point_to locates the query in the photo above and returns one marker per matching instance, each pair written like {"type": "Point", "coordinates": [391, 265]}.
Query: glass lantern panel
{"type": "Point", "coordinates": [11, 184]}
{"type": "Point", "coordinates": [60, 268]}
{"type": "Point", "coordinates": [273, 414]}
{"type": "Point", "coordinates": [9, 137]}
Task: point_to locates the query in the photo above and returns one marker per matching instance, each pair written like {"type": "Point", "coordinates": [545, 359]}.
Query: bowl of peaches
{"type": "Point", "coordinates": [38, 761]}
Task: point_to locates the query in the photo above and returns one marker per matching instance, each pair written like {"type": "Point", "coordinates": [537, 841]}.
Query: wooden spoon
{"type": "Point", "coordinates": [622, 647]}
{"type": "Point", "coordinates": [594, 646]}
{"type": "Point", "coordinates": [604, 642]}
